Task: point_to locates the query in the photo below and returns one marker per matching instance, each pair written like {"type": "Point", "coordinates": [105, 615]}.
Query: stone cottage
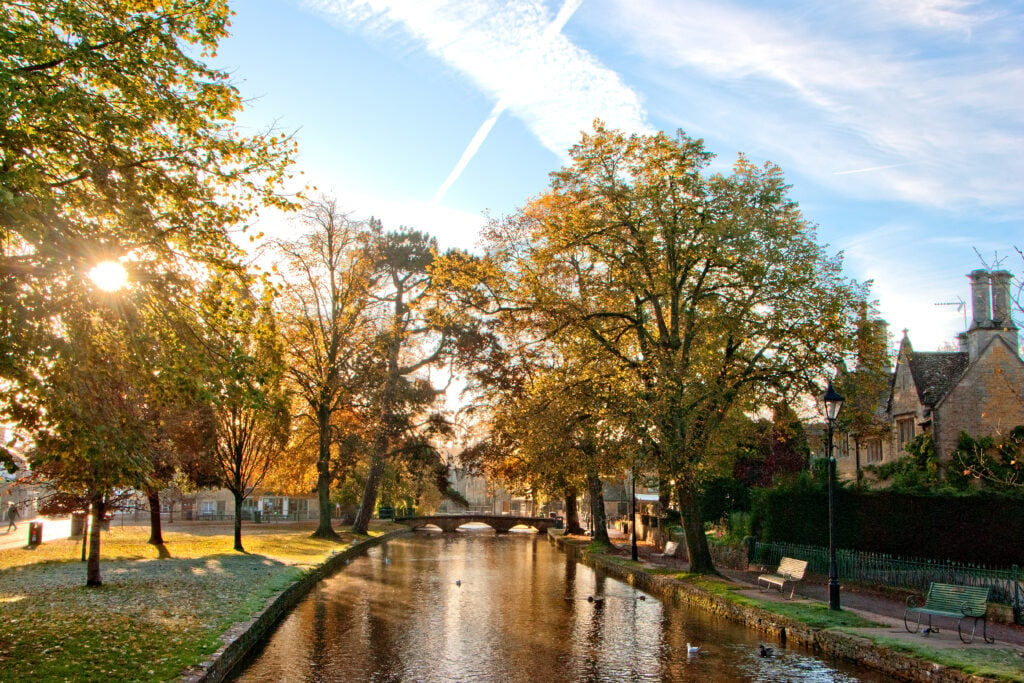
{"type": "Point", "coordinates": [978, 389]}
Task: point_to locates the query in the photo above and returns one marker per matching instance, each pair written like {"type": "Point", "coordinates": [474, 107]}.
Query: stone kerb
{"type": "Point", "coordinates": [243, 636]}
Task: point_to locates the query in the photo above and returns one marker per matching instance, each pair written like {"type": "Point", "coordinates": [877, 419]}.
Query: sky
{"type": "Point", "coordinates": [898, 123]}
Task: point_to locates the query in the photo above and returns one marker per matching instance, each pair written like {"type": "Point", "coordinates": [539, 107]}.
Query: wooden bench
{"type": "Point", "coordinates": [957, 602]}
{"type": "Point", "coordinates": [789, 570]}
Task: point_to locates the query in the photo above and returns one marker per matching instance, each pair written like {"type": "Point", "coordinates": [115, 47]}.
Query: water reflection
{"type": "Point", "coordinates": [484, 607]}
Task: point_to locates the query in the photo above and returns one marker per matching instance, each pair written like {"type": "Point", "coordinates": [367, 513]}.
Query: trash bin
{"type": "Point", "coordinates": [256, 516]}
{"type": "Point", "coordinates": [35, 533]}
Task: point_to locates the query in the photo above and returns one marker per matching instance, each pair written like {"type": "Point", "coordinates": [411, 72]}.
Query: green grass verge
{"type": "Point", "coordinates": [159, 611]}
{"type": "Point", "coordinates": [1000, 663]}
{"type": "Point", "coordinates": [815, 615]}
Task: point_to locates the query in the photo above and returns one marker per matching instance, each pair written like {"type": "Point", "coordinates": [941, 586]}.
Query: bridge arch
{"type": "Point", "coordinates": [500, 523]}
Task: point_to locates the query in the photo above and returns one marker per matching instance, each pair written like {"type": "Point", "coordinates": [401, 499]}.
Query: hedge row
{"type": "Point", "coordinates": [980, 529]}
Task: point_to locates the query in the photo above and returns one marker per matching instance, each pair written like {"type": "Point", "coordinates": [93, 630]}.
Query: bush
{"type": "Point", "coordinates": [981, 528]}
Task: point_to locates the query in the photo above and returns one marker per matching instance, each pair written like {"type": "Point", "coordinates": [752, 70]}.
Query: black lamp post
{"type": "Point", "coordinates": [833, 404]}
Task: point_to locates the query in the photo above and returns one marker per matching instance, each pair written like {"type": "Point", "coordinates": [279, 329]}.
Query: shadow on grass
{"type": "Point", "coordinates": [162, 552]}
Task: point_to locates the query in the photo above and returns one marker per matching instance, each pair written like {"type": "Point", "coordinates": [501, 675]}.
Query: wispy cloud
{"type": "Point", "coordinates": [569, 7]}
{"type": "Point", "coordinates": [508, 50]}
{"type": "Point", "coordinates": [925, 93]}
{"type": "Point", "coordinates": [871, 169]}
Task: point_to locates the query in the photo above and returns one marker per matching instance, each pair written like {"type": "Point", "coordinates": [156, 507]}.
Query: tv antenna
{"type": "Point", "coordinates": [960, 304]}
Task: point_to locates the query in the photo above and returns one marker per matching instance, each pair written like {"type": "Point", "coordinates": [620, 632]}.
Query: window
{"type": "Point", "coordinates": [873, 450]}
{"type": "Point", "coordinates": [208, 507]}
{"type": "Point", "coordinates": [273, 506]}
{"type": "Point", "coordinates": [905, 428]}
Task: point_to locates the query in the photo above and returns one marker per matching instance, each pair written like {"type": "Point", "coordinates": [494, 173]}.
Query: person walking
{"type": "Point", "coordinates": [12, 517]}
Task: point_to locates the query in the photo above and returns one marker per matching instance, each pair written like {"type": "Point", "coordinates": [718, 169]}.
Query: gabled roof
{"type": "Point", "coordinates": [935, 373]}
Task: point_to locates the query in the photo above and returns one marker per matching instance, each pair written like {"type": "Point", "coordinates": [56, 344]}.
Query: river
{"type": "Point", "coordinates": [510, 607]}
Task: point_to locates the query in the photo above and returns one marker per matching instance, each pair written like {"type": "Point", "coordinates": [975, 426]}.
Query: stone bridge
{"type": "Point", "coordinates": [500, 523]}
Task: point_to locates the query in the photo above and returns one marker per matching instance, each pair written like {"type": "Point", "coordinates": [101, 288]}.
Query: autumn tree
{"type": "Point", "coordinates": [865, 386]}
{"type": "Point", "coordinates": [116, 142]}
{"type": "Point", "coordinates": [553, 427]}
{"type": "Point", "coordinates": [324, 283]}
{"type": "Point", "coordinates": [708, 292]}
{"type": "Point", "coordinates": [245, 371]}
{"type": "Point", "coordinates": [770, 449]}
{"type": "Point", "coordinates": [415, 332]}
{"type": "Point", "coordinates": [92, 442]}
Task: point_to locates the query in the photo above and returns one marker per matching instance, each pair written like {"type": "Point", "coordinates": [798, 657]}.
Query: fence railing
{"type": "Point", "coordinates": [1006, 584]}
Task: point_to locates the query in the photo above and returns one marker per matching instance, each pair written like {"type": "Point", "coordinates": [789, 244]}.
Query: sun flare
{"type": "Point", "coordinates": [109, 276]}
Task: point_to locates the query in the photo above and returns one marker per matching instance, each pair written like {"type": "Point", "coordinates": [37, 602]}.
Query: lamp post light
{"type": "Point", "coordinates": [833, 404]}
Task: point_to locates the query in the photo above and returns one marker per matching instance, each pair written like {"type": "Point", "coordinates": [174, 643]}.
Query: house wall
{"type": "Point", "coordinates": [987, 401]}
{"type": "Point", "coordinates": [906, 404]}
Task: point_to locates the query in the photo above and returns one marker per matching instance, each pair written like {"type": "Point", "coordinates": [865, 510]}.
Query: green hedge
{"type": "Point", "coordinates": [981, 529]}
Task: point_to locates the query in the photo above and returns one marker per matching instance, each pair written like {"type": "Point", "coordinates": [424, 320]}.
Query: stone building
{"type": "Point", "coordinates": [978, 389]}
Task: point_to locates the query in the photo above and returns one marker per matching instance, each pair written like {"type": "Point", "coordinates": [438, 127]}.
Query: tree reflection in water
{"type": "Point", "coordinates": [509, 608]}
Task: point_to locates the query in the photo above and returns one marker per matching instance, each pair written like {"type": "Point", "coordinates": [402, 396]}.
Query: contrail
{"type": "Point", "coordinates": [554, 28]}
{"type": "Point", "coordinates": [874, 168]}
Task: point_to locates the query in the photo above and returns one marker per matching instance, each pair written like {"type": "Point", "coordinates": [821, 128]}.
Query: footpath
{"type": "Point", "coordinates": [53, 529]}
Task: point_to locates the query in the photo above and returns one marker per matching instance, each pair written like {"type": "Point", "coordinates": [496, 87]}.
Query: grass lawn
{"type": "Point", "coordinates": [1000, 663]}
{"type": "Point", "coordinates": [159, 611]}
{"type": "Point", "coordinates": [815, 615]}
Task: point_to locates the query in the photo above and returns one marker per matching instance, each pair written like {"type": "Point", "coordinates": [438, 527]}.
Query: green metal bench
{"type": "Point", "coordinates": [957, 602]}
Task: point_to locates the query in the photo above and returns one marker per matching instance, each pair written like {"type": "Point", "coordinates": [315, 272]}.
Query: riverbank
{"type": "Point", "coordinates": [193, 607]}
{"type": "Point", "coordinates": [868, 638]}
{"type": "Point", "coordinates": [162, 610]}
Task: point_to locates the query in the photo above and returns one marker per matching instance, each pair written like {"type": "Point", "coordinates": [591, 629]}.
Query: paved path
{"type": "Point", "coordinates": [883, 609]}
{"type": "Point", "coordinates": [52, 529]}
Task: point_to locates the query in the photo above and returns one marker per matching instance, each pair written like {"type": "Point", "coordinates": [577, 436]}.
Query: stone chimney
{"type": "Point", "coordinates": [991, 313]}
{"type": "Point", "coordinates": [981, 299]}
{"type": "Point", "coordinates": [1001, 312]}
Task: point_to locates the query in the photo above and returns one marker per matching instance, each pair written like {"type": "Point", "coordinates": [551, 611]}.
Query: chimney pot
{"type": "Point", "coordinates": [1001, 314]}
{"type": "Point", "coordinates": [981, 299]}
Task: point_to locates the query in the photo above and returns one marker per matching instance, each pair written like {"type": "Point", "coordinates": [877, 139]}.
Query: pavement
{"type": "Point", "coordinates": [872, 605]}
{"type": "Point", "coordinates": [53, 529]}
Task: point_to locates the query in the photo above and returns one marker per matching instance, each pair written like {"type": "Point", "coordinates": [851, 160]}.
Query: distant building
{"type": "Point", "coordinates": [219, 504]}
{"type": "Point", "coordinates": [13, 485]}
{"type": "Point", "coordinates": [978, 389]}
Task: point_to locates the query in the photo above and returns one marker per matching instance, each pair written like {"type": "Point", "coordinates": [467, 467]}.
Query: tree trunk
{"type": "Point", "coordinates": [238, 521]}
{"type": "Point", "coordinates": [856, 452]}
{"type": "Point", "coordinates": [598, 518]}
{"type": "Point", "coordinates": [369, 502]}
{"type": "Point", "coordinates": [572, 514]}
{"type": "Point", "coordinates": [693, 529]}
{"type": "Point", "coordinates": [156, 536]}
{"type": "Point", "coordinates": [92, 570]}
{"type": "Point", "coordinates": [323, 476]}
